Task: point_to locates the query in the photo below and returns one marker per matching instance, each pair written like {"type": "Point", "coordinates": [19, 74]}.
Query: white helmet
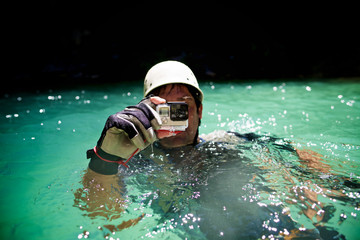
{"type": "Point", "coordinates": [169, 72]}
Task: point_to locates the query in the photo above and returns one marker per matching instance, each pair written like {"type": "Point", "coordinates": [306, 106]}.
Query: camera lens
{"type": "Point", "coordinates": [180, 113]}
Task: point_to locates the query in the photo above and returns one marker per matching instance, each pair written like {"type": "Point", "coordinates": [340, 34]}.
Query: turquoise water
{"type": "Point", "coordinates": [44, 137]}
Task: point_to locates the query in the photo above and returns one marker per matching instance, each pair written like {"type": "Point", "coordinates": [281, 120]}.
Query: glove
{"type": "Point", "coordinates": [130, 129]}
{"type": "Point", "coordinates": [124, 134]}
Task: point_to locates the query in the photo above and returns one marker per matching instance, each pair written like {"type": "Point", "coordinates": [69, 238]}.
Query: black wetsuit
{"type": "Point", "coordinates": [214, 181]}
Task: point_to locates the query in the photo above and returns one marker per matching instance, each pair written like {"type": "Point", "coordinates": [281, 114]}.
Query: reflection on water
{"type": "Point", "coordinates": [246, 187]}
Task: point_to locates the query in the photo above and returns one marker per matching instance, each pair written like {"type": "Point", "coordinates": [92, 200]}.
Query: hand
{"type": "Point", "coordinates": [131, 129]}
{"type": "Point", "coordinates": [157, 100]}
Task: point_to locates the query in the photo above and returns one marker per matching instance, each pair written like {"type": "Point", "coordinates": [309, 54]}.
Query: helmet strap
{"type": "Point", "coordinates": [195, 142]}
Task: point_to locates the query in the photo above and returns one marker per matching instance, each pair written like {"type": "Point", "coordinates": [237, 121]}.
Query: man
{"type": "Point", "coordinates": [133, 129]}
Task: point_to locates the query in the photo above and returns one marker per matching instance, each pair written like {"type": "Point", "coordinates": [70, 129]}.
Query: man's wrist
{"type": "Point", "coordinates": [97, 164]}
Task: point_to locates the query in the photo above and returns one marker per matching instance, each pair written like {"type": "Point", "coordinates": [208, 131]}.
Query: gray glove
{"type": "Point", "coordinates": [131, 129]}
{"type": "Point", "coordinates": [124, 134]}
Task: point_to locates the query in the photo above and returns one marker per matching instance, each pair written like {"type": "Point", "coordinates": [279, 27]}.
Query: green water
{"type": "Point", "coordinates": [44, 137]}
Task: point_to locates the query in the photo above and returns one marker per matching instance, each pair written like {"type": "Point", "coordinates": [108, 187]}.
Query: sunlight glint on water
{"type": "Point", "coordinates": [44, 137]}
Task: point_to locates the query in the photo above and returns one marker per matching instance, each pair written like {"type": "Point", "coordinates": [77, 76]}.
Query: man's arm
{"type": "Point", "coordinates": [125, 134]}
{"type": "Point", "coordinates": [102, 195]}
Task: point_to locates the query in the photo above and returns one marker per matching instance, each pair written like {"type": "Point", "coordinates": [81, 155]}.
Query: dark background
{"type": "Point", "coordinates": [66, 43]}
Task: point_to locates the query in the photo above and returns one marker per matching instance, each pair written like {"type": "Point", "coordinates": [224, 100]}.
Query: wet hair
{"type": "Point", "coordinates": [195, 94]}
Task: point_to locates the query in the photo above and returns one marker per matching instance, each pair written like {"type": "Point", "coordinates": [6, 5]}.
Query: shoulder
{"type": "Point", "coordinates": [222, 138]}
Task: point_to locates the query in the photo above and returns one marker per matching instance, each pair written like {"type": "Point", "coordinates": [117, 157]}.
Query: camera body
{"type": "Point", "coordinates": [174, 116]}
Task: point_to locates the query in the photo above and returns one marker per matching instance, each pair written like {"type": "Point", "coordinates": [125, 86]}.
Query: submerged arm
{"type": "Point", "coordinates": [101, 195]}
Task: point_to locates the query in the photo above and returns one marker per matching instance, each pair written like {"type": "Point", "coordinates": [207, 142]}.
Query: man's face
{"type": "Point", "coordinates": [180, 93]}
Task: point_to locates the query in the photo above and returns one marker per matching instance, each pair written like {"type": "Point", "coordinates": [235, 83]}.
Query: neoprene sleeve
{"type": "Point", "coordinates": [98, 165]}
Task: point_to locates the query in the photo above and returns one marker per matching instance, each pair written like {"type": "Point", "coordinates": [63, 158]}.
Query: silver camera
{"type": "Point", "coordinates": [174, 116]}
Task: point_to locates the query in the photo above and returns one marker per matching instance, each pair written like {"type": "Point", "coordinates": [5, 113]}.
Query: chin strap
{"type": "Point", "coordinates": [196, 136]}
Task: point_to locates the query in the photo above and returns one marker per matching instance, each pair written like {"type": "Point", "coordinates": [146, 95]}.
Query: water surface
{"type": "Point", "coordinates": [260, 190]}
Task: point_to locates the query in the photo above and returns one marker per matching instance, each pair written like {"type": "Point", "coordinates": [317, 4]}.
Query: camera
{"type": "Point", "coordinates": [174, 116]}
